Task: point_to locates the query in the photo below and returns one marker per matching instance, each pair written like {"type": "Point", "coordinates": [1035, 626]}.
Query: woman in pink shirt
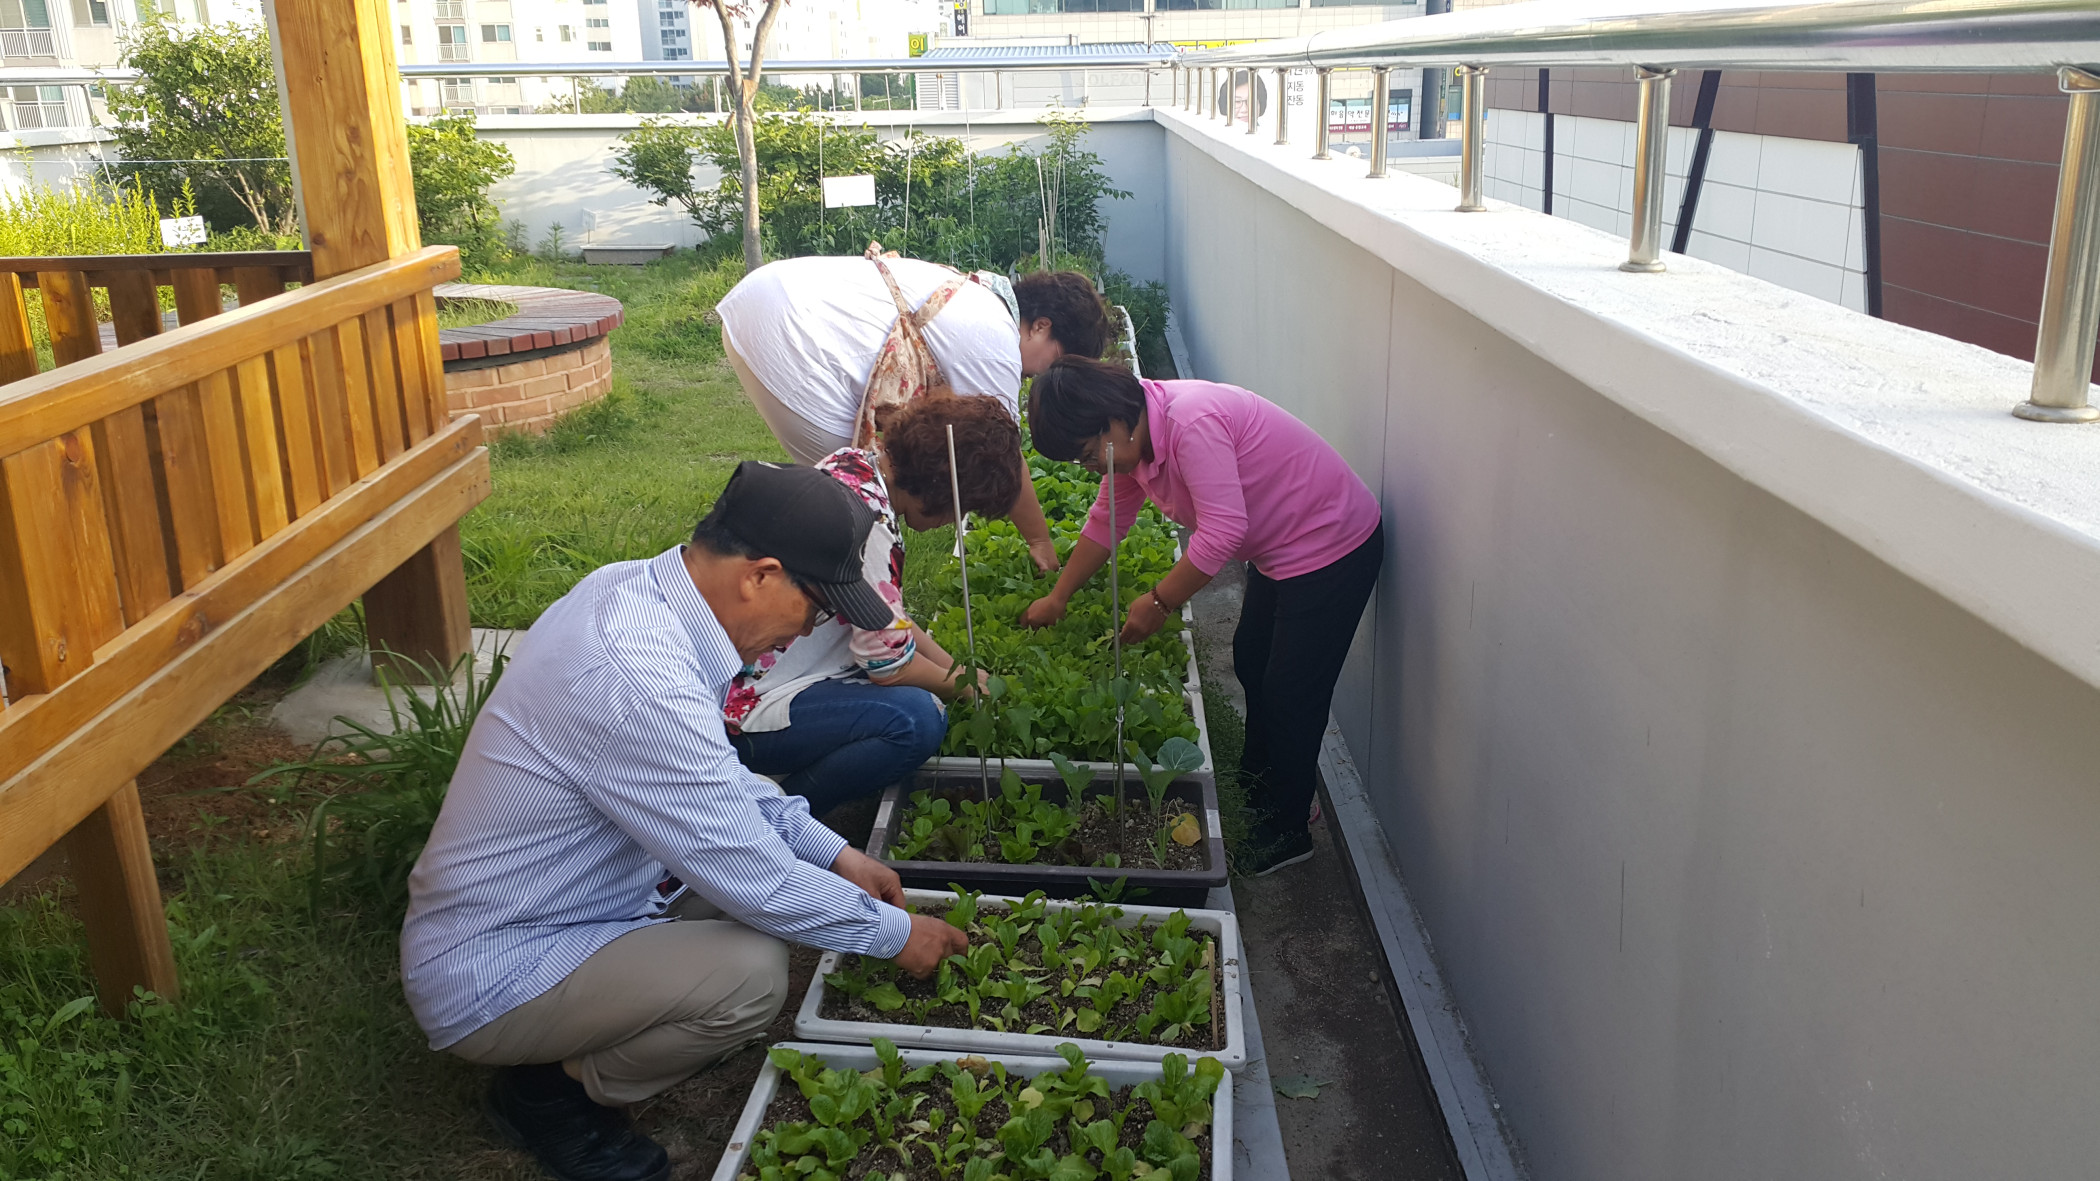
{"type": "Point", "coordinates": [1252, 483]}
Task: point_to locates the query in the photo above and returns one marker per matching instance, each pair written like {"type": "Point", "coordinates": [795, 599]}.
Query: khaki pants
{"type": "Point", "coordinates": [805, 441]}
{"type": "Point", "coordinates": [648, 1009]}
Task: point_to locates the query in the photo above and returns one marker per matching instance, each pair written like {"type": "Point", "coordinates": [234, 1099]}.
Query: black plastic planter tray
{"type": "Point", "coordinates": [1195, 792]}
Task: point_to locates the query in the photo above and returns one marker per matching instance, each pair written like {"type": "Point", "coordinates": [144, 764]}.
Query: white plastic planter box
{"type": "Point", "coordinates": [1117, 1074]}
{"type": "Point", "coordinates": [1220, 924]}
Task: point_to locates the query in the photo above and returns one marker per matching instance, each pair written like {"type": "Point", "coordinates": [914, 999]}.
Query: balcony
{"type": "Point", "coordinates": [28, 43]}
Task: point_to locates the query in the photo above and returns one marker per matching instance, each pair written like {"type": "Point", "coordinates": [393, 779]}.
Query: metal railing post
{"type": "Point", "coordinates": [1472, 138]}
{"type": "Point", "coordinates": [1232, 99]}
{"type": "Point", "coordinates": [1207, 80]}
{"type": "Point", "coordinates": [1148, 88]}
{"type": "Point", "coordinates": [2063, 342]}
{"type": "Point", "coordinates": [1253, 98]}
{"type": "Point", "coordinates": [1283, 105]}
{"type": "Point", "coordinates": [1326, 77]}
{"type": "Point", "coordinates": [1644, 253]}
{"type": "Point", "coordinates": [1381, 115]}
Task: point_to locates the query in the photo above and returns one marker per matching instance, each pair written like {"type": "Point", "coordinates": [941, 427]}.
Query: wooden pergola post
{"type": "Point", "coordinates": [343, 122]}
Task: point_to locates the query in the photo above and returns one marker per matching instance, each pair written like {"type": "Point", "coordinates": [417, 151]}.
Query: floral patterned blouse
{"type": "Point", "coordinates": [758, 698]}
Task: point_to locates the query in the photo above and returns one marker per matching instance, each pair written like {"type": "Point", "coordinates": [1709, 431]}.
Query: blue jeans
{"type": "Point", "coordinates": [847, 739]}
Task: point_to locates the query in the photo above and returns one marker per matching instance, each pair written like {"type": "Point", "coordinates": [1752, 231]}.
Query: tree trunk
{"type": "Point", "coordinates": [747, 157]}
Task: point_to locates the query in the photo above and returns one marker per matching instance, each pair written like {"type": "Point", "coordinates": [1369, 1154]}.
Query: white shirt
{"type": "Point", "coordinates": [810, 329]}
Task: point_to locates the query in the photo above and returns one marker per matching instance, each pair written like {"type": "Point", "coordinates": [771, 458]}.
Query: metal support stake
{"type": "Point", "coordinates": [1471, 149]}
{"type": "Point", "coordinates": [962, 561]}
{"type": "Point", "coordinates": [1253, 98]}
{"type": "Point", "coordinates": [2063, 343]}
{"type": "Point", "coordinates": [1115, 621]}
{"type": "Point", "coordinates": [1326, 77]}
{"type": "Point", "coordinates": [1283, 105]}
{"type": "Point", "coordinates": [1644, 254]}
{"type": "Point", "coordinates": [1381, 116]}
{"type": "Point", "coordinates": [1148, 88]}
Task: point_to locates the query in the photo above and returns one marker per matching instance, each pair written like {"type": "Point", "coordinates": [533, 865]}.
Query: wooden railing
{"type": "Point", "coordinates": [176, 514]}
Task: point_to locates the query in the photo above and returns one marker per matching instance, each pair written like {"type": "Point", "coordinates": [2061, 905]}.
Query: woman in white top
{"type": "Point", "coordinates": [845, 711]}
{"type": "Point", "coordinates": [805, 336]}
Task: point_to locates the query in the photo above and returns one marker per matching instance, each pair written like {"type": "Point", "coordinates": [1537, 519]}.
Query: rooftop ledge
{"type": "Point", "coordinates": [1898, 439]}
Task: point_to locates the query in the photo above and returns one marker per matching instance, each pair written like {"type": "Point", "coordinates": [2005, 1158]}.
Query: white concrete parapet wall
{"type": "Point", "coordinates": [1729, 698]}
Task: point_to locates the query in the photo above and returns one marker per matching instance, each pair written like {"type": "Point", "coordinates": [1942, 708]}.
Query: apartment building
{"type": "Point", "coordinates": [676, 30]}
{"type": "Point", "coordinates": [78, 33]}
{"type": "Point", "coordinates": [488, 32]}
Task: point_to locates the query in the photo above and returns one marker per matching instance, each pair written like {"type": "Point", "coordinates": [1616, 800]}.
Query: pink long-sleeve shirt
{"type": "Point", "coordinates": [1251, 481]}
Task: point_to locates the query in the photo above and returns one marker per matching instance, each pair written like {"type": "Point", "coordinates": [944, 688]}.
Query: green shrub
{"type": "Point", "coordinates": [453, 170]}
{"type": "Point", "coordinates": [934, 199]}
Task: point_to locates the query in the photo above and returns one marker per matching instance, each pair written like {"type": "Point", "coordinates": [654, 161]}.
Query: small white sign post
{"type": "Point", "coordinates": [842, 191]}
{"type": "Point", "coordinates": [181, 231]}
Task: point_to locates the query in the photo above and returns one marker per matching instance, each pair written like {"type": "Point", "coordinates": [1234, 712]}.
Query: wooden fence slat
{"type": "Point", "coordinates": [193, 514]}
{"type": "Point", "coordinates": [417, 379]}
{"type": "Point", "coordinates": [295, 416]}
{"type": "Point", "coordinates": [263, 466]}
{"type": "Point", "coordinates": [58, 599]}
{"type": "Point", "coordinates": [255, 284]}
{"type": "Point", "coordinates": [386, 383]}
{"type": "Point", "coordinates": [17, 353]}
{"type": "Point", "coordinates": [69, 312]}
{"type": "Point", "coordinates": [197, 298]}
{"type": "Point", "coordinates": [131, 480]}
{"type": "Point", "coordinates": [331, 417]}
{"type": "Point", "coordinates": [357, 396]}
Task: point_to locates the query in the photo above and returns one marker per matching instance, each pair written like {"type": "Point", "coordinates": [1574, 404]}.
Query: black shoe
{"type": "Point", "coordinates": [1273, 850]}
{"type": "Point", "coordinates": [573, 1138]}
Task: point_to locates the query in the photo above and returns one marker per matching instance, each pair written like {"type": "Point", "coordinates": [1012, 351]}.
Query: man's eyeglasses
{"type": "Point", "coordinates": [819, 614]}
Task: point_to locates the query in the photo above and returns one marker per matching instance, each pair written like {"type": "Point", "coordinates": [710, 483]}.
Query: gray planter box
{"type": "Point", "coordinates": [1115, 1074]}
{"type": "Point", "coordinates": [1221, 925]}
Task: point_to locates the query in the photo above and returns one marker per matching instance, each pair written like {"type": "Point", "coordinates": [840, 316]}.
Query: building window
{"type": "Point", "coordinates": [408, 35]}
{"type": "Point", "coordinates": [1216, 5]}
{"type": "Point", "coordinates": [452, 43]}
{"type": "Point", "coordinates": [599, 46]}
{"type": "Point", "coordinates": [91, 13]}
{"type": "Point", "coordinates": [673, 35]}
{"type": "Point", "coordinates": [456, 92]}
{"type": "Point", "coordinates": [667, 18]}
{"type": "Point", "coordinates": [451, 10]}
{"type": "Point", "coordinates": [674, 53]}
{"type": "Point", "coordinates": [495, 33]}
{"type": "Point", "coordinates": [597, 22]}
{"type": "Point", "coordinates": [568, 33]}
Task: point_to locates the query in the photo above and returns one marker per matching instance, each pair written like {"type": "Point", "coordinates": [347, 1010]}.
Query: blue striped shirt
{"type": "Point", "coordinates": [599, 763]}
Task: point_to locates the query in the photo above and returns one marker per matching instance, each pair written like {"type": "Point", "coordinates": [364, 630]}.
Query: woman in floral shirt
{"type": "Point", "coordinates": [846, 711]}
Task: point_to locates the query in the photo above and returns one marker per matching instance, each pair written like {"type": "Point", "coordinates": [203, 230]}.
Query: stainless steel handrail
{"type": "Point", "coordinates": [1937, 36]}
{"type": "Point", "coordinates": [1855, 36]}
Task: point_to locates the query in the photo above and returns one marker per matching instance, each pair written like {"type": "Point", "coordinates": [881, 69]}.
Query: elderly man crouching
{"type": "Point", "coordinates": [601, 906]}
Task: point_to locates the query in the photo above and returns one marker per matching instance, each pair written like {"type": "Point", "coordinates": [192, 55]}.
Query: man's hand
{"type": "Point", "coordinates": [879, 880]}
{"type": "Point", "coordinates": [1043, 612]}
{"type": "Point", "coordinates": [932, 940]}
{"type": "Point", "coordinates": [1044, 551]}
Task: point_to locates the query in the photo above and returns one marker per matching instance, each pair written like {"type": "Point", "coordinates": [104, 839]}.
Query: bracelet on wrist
{"type": "Point", "coordinates": [1161, 604]}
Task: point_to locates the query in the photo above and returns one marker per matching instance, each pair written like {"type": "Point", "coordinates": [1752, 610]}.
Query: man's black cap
{"type": "Point", "coordinates": [814, 526]}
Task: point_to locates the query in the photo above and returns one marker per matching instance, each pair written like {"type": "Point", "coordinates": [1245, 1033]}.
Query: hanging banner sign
{"type": "Point", "coordinates": [842, 191]}
{"type": "Point", "coordinates": [918, 43]}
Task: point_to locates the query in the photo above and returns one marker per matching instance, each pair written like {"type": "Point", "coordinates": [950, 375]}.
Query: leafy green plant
{"type": "Point", "coordinates": [1176, 757]}
{"type": "Point", "coordinates": [1064, 1125]}
{"type": "Point", "coordinates": [365, 841]}
{"type": "Point", "coordinates": [1034, 969]}
{"type": "Point", "coordinates": [1017, 826]}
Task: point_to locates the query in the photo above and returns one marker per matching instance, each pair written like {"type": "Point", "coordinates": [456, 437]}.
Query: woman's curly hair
{"type": "Point", "coordinates": [987, 453]}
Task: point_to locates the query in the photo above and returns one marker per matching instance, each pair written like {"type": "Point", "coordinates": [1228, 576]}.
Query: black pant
{"type": "Point", "coordinates": [1294, 634]}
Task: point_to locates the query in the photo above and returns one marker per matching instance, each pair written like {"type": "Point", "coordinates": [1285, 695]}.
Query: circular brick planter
{"type": "Point", "coordinates": [522, 372]}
